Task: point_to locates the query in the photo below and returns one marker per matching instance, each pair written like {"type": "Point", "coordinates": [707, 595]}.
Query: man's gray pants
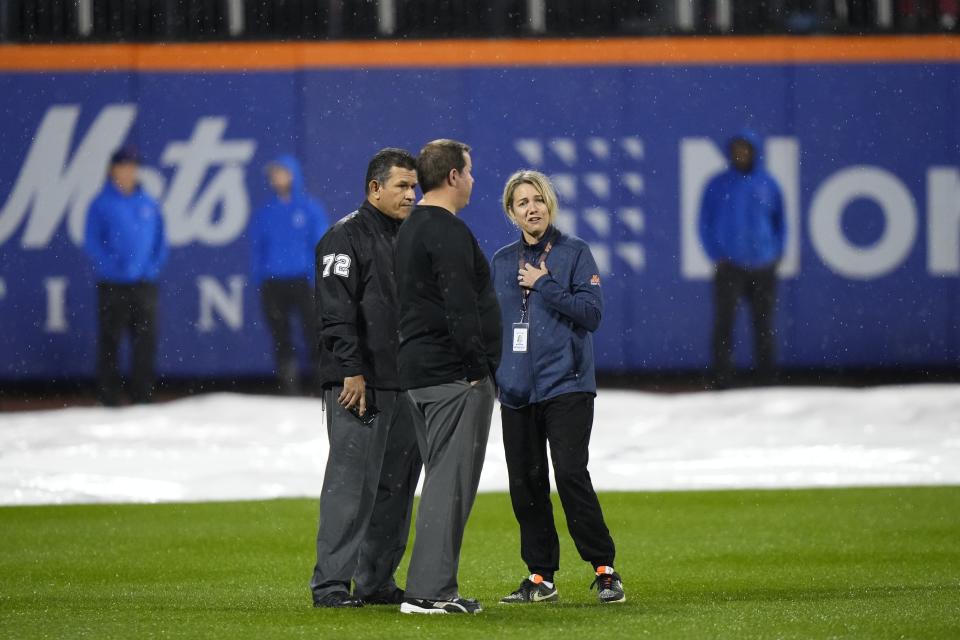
{"type": "Point", "coordinates": [452, 423]}
{"type": "Point", "coordinates": [367, 498]}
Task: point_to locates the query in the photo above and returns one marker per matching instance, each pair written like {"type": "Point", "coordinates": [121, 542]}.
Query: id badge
{"type": "Point", "coordinates": [520, 332]}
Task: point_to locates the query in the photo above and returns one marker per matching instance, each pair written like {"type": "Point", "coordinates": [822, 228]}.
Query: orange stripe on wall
{"type": "Point", "coordinates": [266, 56]}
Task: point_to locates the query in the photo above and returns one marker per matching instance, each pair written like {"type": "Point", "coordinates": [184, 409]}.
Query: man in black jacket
{"type": "Point", "coordinates": [374, 461]}
{"type": "Point", "coordinates": [449, 350]}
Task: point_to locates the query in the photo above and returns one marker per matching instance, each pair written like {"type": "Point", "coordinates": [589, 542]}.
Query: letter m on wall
{"type": "Point", "coordinates": [52, 183]}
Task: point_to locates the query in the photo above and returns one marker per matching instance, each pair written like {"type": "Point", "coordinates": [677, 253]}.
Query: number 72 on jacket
{"type": "Point", "coordinates": [340, 263]}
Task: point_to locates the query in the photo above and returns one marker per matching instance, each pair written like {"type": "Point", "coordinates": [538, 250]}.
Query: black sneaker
{"type": "Point", "coordinates": [454, 605]}
{"type": "Point", "coordinates": [532, 589]}
{"type": "Point", "coordinates": [609, 587]}
{"type": "Point", "coordinates": [337, 600]}
{"type": "Point", "coordinates": [386, 595]}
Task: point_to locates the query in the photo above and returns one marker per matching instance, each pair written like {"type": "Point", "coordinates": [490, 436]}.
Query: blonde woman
{"type": "Point", "coordinates": [548, 287]}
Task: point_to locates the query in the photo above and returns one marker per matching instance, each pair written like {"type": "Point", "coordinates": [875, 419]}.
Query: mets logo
{"type": "Point", "coordinates": [595, 280]}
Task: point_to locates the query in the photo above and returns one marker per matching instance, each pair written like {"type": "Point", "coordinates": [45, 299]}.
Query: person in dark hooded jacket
{"type": "Point", "coordinates": [283, 235]}
{"type": "Point", "coordinates": [743, 230]}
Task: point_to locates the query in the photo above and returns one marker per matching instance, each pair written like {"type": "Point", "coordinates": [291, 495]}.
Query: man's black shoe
{"type": "Point", "coordinates": [337, 600]}
{"type": "Point", "coordinates": [386, 595]}
{"type": "Point", "coordinates": [454, 605]}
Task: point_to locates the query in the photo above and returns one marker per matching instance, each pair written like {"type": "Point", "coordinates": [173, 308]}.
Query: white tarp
{"type": "Point", "coordinates": [230, 446]}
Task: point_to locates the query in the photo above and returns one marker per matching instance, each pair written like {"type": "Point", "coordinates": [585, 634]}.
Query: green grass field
{"type": "Point", "coordinates": [854, 563]}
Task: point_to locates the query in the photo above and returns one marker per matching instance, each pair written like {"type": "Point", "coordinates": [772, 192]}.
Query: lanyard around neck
{"type": "Point", "coordinates": [524, 292]}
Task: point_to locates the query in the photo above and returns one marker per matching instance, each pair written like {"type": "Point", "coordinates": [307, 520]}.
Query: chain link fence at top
{"type": "Point", "coordinates": [51, 21]}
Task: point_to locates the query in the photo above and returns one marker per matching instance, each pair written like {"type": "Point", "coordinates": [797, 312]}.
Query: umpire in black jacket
{"type": "Point", "coordinates": [374, 463]}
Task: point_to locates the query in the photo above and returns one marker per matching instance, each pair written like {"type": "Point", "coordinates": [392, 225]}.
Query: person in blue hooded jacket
{"type": "Point", "coordinates": [743, 230]}
{"type": "Point", "coordinates": [283, 236]}
{"type": "Point", "coordinates": [124, 239]}
{"type": "Point", "coordinates": [548, 287]}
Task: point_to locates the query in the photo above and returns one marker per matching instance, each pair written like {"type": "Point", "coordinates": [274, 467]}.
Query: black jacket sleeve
{"type": "Point", "coordinates": [338, 294]}
{"type": "Point", "coordinates": [453, 252]}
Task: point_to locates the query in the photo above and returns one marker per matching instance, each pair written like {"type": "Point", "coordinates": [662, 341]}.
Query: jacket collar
{"type": "Point", "coordinates": [550, 235]}
{"type": "Point", "coordinates": [381, 220]}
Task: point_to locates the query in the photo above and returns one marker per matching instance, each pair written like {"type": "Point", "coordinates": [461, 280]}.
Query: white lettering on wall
{"type": "Point", "coordinates": [225, 303]}
{"type": "Point", "coordinates": [218, 303]}
{"type": "Point", "coordinates": [52, 183]}
{"type": "Point", "coordinates": [943, 221]}
{"type": "Point", "coordinates": [700, 160]}
{"type": "Point", "coordinates": [190, 217]}
{"type": "Point", "coordinates": [826, 231]}
{"type": "Point", "coordinates": [56, 304]}
{"type": "Point", "coordinates": [783, 163]}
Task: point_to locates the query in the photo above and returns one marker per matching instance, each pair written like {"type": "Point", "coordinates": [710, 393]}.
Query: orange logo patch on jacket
{"type": "Point", "coordinates": [595, 280]}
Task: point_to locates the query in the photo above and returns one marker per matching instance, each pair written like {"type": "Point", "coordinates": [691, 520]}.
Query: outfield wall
{"type": "Point", "coordinates": [864, 135]}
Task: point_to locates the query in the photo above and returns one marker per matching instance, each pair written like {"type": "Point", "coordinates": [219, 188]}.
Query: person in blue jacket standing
{"type": "Point", "coordinates": [283, 236]}
{"type": "Point", "coordinates": [743, 230]}
{"type": "Point", "coordinates": [125, 241]}
{"type": "Point", "coordinates": [548, 287]}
